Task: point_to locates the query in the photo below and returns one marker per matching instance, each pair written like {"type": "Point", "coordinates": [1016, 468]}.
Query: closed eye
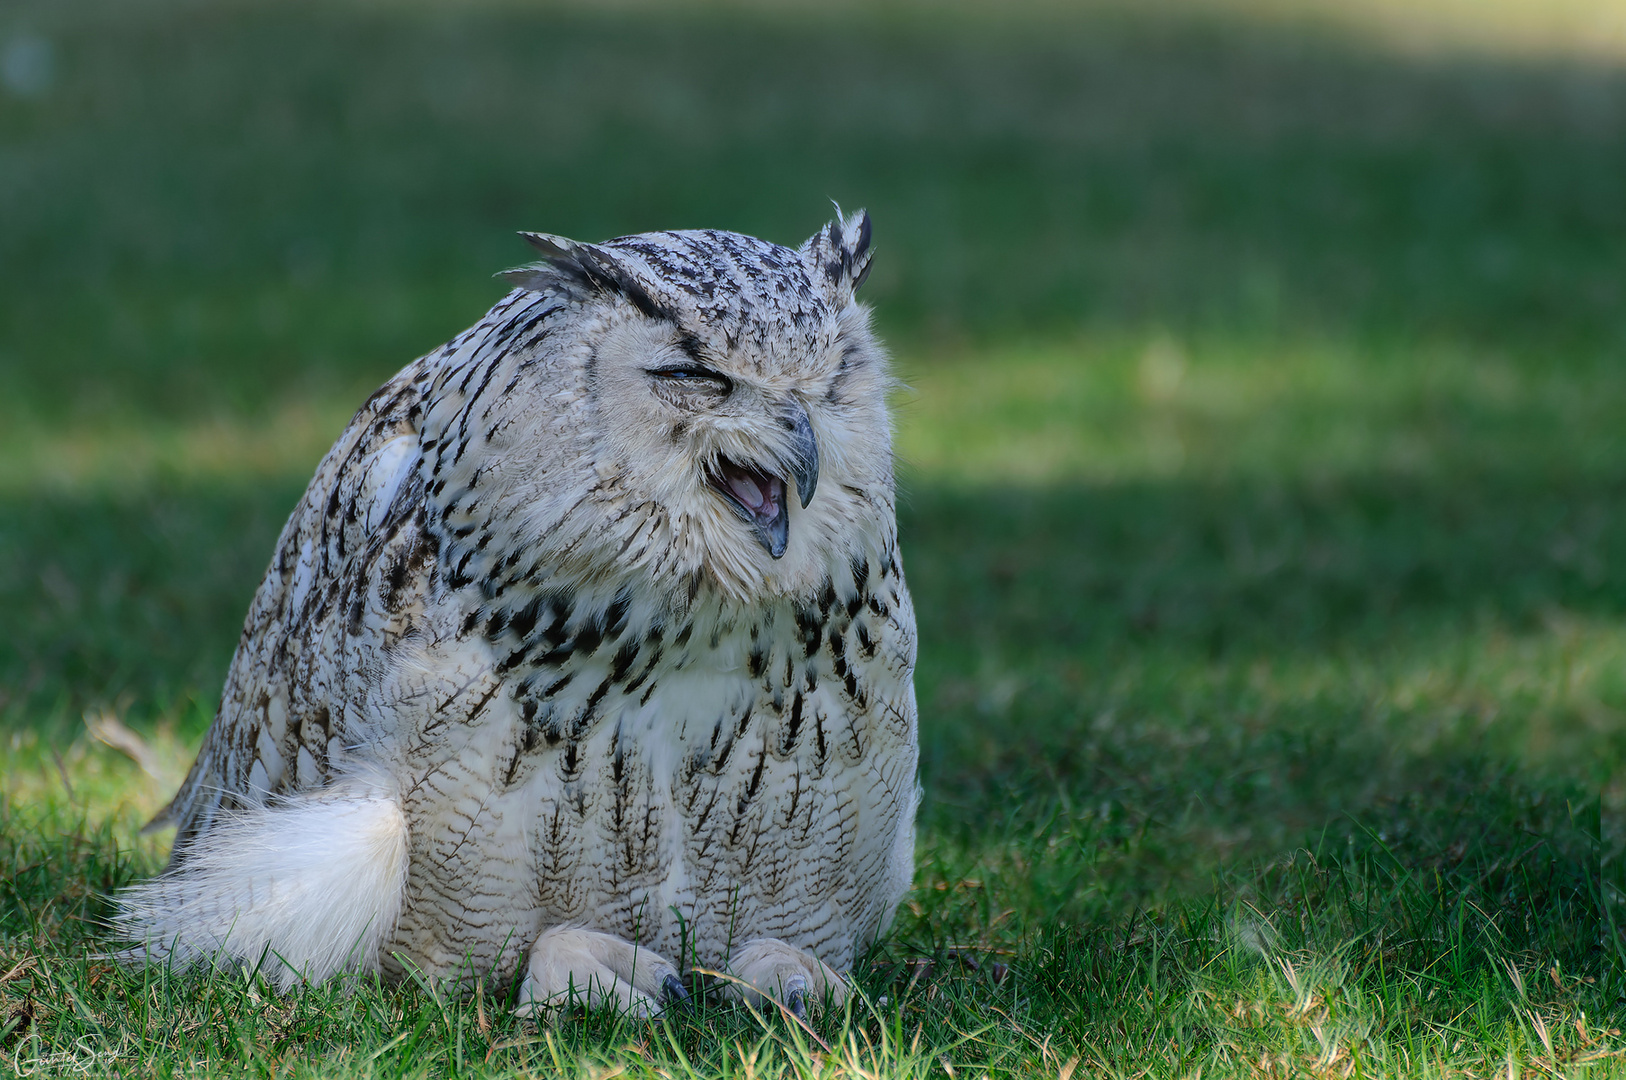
{"type": "Point", "coordinates": [695, 376]}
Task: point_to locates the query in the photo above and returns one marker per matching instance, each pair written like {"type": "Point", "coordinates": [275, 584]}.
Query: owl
{"type": "Point", "coordinates": [586, 658]}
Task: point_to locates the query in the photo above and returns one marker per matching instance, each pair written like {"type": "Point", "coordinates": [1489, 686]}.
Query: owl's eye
{"type": "Point", "coordinates": [694, 377]}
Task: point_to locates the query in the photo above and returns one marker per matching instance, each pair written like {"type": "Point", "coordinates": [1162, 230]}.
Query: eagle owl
{"type": "Point", "coordinates": [586, 656]}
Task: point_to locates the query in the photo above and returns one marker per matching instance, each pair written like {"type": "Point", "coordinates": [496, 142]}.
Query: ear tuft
{"type": "Point", "coordinates": [562, 268]}
{"type": "Point", "coordinates": [842, 254]}
{"type": "Point", "coordinates": [551, 247]}
{"type": "Point", "coordinates": [581, 271]}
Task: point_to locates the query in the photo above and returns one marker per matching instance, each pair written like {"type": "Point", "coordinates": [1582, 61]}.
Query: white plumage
{"type": "Point", "coordinates": [587, 652]}
{"type": "Point", "coordinates": [312, 885]}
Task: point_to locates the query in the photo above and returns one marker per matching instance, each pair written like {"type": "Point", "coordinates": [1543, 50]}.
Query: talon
{"type": "Point", "coordinates": [796, 999]}
{"type": "Point", "coordinates": [672, 990]}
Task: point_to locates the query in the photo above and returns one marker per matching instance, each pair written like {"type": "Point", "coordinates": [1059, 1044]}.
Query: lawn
{"type": "Point", "coordinates": [1263, 456]}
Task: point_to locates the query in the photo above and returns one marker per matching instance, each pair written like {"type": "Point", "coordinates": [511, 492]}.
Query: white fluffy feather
{"type": "Point", "coordinates": [312, 884]}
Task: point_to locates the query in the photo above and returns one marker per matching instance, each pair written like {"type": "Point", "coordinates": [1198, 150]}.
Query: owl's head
{"type": "Point", "coordinates": [728, 402]}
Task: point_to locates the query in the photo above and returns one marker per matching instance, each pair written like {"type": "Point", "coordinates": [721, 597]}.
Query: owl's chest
{"type": "Point", "coordinates": [719, 786]}
{"type": "Point", "coordinates": [732, 767]}
{"type": "Point", "coordinates": [661, 725]}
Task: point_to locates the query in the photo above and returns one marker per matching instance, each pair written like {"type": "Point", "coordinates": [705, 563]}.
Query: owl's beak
{"type": "Point", "coordinates": [804, 451]}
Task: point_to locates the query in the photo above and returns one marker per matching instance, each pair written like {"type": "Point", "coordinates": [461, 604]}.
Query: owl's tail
{"type": "Point", "coordinates": [305, 888]}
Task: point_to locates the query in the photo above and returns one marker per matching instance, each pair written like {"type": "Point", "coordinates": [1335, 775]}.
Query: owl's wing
{"type": "Point", "coordinates": [281, 707]}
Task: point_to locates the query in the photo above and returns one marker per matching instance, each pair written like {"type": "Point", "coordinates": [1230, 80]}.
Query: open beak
{"type": "Point", "coordinates": [758, 497]}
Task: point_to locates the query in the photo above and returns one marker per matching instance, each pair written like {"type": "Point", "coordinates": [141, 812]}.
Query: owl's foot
{"type": "Point", "coordinates": [771, 969]}
{"type": "Point", "coordinates": [570, 967]}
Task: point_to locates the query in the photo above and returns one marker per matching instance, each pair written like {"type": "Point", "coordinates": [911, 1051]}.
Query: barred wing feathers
{"type": "Point", "coordinates": [282, 722]}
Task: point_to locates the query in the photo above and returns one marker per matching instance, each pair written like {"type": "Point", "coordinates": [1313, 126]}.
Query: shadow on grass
{"type": "Point", "coordinates": [135, 598]}
{"type": "Point", "coordinates": [1204, 578]}
{"type": "Point", "coordinates": [1136, 691]}
{"type": "Point", "coordinates": [1246, 662]}
{"type": "Point", "coordinates": [1369, 594]}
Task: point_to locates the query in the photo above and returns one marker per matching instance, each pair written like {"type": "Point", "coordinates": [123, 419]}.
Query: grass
{"type": "Point", "coordinates": [1263, 471]}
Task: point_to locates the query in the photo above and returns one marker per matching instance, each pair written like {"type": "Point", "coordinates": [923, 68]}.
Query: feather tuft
{"type": "Point", "coordinates": [306, 888]}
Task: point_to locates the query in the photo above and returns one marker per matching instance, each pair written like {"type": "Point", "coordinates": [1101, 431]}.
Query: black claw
{"type": "Point", "coordinates": [796, 1002]}
{"type": "Point", "coordinates": [672, 990]}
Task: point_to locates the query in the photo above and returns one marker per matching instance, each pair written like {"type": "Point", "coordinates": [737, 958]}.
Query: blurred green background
{"type": "Point", "coordinates": [1264, 442]}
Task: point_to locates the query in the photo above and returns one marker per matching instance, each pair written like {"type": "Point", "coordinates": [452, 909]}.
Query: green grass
{"type": "Point", "coordinates": [1264, 468]}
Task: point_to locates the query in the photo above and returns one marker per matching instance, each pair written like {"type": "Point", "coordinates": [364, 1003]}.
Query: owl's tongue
{"type": "Point", "coordinates": [760, 500]}
{"type": "Point", "coordinates": [759, 494]}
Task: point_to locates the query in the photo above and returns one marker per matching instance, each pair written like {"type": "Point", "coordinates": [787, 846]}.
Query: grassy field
{"type": "Point", "coordinates": [1264, 467]}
